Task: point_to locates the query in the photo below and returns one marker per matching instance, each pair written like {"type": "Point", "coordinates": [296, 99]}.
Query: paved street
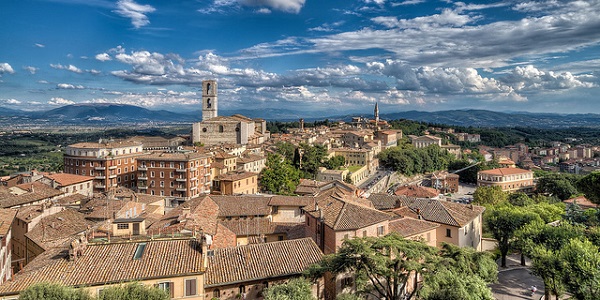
{"type": "Point", "coordinates": [515, 280]}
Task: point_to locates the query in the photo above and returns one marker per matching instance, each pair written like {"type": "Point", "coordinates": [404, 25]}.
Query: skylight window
{"type": "Point", "coordinates": [139, 251]}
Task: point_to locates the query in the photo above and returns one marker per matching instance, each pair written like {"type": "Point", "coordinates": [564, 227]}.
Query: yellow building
{"type": "Point", "coordinates": [236, 183]}
{"type": "Point", "coordinates": [509, 179]}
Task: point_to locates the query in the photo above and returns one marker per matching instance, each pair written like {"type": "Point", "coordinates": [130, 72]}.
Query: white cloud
{"type": "Point", "coordinates": [529, 78]}
{"type": "Point", "coordinates": [67, 86]}
{"type": "Point", "coordinates": [136, 12]}
{"type": "Point", "coordinates": [408, 2]}
{"type": "Point", "coordinates": [60, 101]}
{"type": "Point", "coordinates": [446, 18]}
{"type": "Point", "coordinates": [10, 101]}
{"type": "Point", "coordinates": [378, 2]}
{"type": "Point", "coordinates": [31, 69]}
{"type": "Point", "coordinates": [147, 63]}
{"type": "Point", "coordinates": [103, 57]}
{"type": "Point", "coordinates": [94, 71]}
{"type": "Point", "coordinates": [71, 68]}
{"type": "Point", "coordinates": [6, 68]}
{"type": "Point", "coordinates": [291, 6]}
{"type": "Point", "coordinates": [263, 10]}
{"type": "Point", "coordinates": [39, 45]}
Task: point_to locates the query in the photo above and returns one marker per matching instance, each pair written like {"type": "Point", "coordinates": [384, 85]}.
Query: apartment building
{"type": "Point", "coordinates": [233, 183]}
{"type": "Point", "coordinates": [175, 174]}
{"type": "Point", "coordinates": [509, 179]}
{"type": "Point", "coordinates": [111, 164]}
{"type": "Point", "coordinates": [425, 141]}
{"type": "Point", "coordinates": [7, 216]}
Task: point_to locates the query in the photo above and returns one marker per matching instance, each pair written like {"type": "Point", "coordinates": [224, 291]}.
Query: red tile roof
{"type": "Point", "coordinates": [505, 171]}
{"type": "Point", "coordinates": [408, 227]}
{"type": "Point", "coordinates": [64, 179]}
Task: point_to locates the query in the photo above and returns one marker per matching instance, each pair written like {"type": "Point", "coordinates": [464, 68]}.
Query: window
{"type": "Point", "coordinates": [139, 251]}
{"type": "Point", "coordinates": [123, 226]}
{"type": "Point", "coordinates": [347, 282]}
{"type": "Point", "coordinates": [126, 169]}
{"type": "Point", "coordinates": [242, 289]}
{"type": "Point", "coordinates": [172, 165]}
{"type": "Point", "coordinates": [364, 233]}
{"type": "Point", "coordinates": [190, 287]}
{"type": "Point", "coordinates": [280, 238]}
{"type": "Point", "coordinates": [448, 232]}
{"type": "Point", "coordinates": [162, 174]}
{"type": "Point", "coordinates": [275, 209]}
{"type": "Point", "coordinates": [151, 174]}
{"type": "Point", "coordinates": [162, 164]}
{"type": "Point", "coordinates": [217, 293]}
{"type": "Point", "coordinates": [380, 230]}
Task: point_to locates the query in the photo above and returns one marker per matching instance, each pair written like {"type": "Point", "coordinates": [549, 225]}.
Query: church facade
{"type": "Point", "coordinates": [215, 129]}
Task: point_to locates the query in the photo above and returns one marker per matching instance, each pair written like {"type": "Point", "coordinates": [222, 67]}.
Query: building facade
{"type": "Point", "coordinates": [509, 179]}
{"type": "Point", "coordinates": [111, 164]}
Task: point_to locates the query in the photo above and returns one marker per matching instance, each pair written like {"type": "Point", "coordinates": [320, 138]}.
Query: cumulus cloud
{"type": "Point", "coordinates": [103, 57]}
{"type": "Point", "coordinates": [447, 18]}
{"type": "Point", "coordinates": [151, 99]}
{"type": "Point", "coordinates": [291, 6]}
{"type": "Point", "coordinates": [136, 12]}
{"type": "Point", "coordinates": [147, 63]}
{"type": "Point", "coordinates": [71, 68]}
{"type": "Point", "coordinates": [263, 10]}
{"type": "Point", "coordinates": [30, 69]}
{"type": "Point", "coordinates": [60, 101]}
{"type": "Point", "coordinates": [530, 78]}
{"type": "Point", "coordinates": [10, 101]}
{"type": "Point", "coordinates": [6, 68]}
{"type": "Point", "coordinates": [67, 86]}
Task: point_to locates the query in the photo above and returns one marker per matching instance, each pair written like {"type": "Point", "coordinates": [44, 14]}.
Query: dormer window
{"type": "Point", "coordinates": [139, 251]}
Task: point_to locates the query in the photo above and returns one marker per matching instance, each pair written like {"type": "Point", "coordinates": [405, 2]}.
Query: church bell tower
{"type": "Point", "coordinates": [209, 99]}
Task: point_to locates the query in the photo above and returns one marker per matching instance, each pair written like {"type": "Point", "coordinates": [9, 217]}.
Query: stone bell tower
{"type": "Point", "coordinates": [209, 99]}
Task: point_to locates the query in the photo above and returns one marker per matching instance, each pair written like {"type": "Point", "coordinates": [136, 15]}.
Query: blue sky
{"type": "Point", "coordinates": [316, 57]}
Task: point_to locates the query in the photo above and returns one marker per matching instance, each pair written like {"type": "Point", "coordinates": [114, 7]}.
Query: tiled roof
{"type": "Point", "coordinates": [102, 208]}
{"type": "Point", "coordinates": [65, 179]}
{"type": "Point", "coordinates": [29, 212]}
{"type": "Point", "coordinates": [416, 191]}
{"type": "Point", "coordinates": [173, 156]}
{"type": "Point", "coordinates": [202, 215]}
{"type": "Point", "coordinates": [384, 201]}
{"type": "Point", "coordinates": [7, 216]}
{"type": "Point", "coordinates": [110, 145]}
{"type": "Point", "coordinates": [110, 263]}
{"type": "Point", "coordinates": [261, 261]}
{"type": "Point", "coordinates": [443, 212]}
{"type": "Point", "coordinates": [505, 171]}
{"type": "Point", "coordinates": [258, 226]}
{"type": "Point", "coordinates": [235, 206]}
{"type": "Point", "coordinates": [236, 176]}
{"type": "Point", "coordinates": [407, 227]}
{"type": "Point", "coordinates": [290, 200]}
{"type": "Point", "coordinates": [54, 230]}
{"type": "Point", "coordinates": [72, 199]}
{"type": "Point", "coordinates": [37, 192]}
{"type": "Point", "coordinates": [582, 201]}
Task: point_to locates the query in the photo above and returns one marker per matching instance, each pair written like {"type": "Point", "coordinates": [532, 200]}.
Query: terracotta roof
{"type": "Point", "coordinates": [383, 201]}
{"type": "Point", "coordinates": [408, 227]}
{"type": "Point", "coordinates": [102, 208]}
{"type": "Point", "coordinates": [202, 214]}
{"type": "Point", "coordinates": [64, 179]}
{"type": "Point", "coordinates": [173, 156]}
{"type": "Point", "coordinates": [235, 206]}
{"type": "Point", "coordinates": [223, 155]}
{"type": "Point", "coordinates": [417, 191]}
{"type": "Point", "coordinates": [505, 171]}
{"type": "Point", "coordinates": [290, 200]}
{"type": "Point", "coordinates": [261, 261]}
{"type": "Point", "coordinates": [236, 176]}
{"type": "Point", "coordinates": [258, 226]}
{"type": "Point", "coordinates": [74, 199]}
{"type": "Point", "coordinates": [443, 212]}
{"type": "Point", "coordinates": [7, 216]}
{"type": "Point", "coordinates": [582, 201]}
{"type": "Point", "coordinates": [110, 145]}
{"type": "Point", "coordinates": [103, 264]}
{"type": "Point", "coordinates": [29, 212]}
{"type": "Point", "coordinates": [36, 192]}
{"type": "Point", "coordinates": [59, 228]}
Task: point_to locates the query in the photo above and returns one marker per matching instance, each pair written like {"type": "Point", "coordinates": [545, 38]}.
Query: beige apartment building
{"type": "Point", "coordinates": [509, 179]}
{"type": "Point", "coordinates": [235, 183]}
{"type": "Point", "coordinates": [175, 174]}
{"type": "Point", "coordinates": [111, 164]}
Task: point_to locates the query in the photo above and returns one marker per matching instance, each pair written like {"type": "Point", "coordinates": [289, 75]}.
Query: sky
{"type": "Point", "coordinates": [314, 57]}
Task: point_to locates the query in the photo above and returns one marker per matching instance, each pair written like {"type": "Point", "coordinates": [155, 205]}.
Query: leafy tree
{"type": "Point", "coordinates": [279, 176]}
{"type": "Point", "coordinates": [133, 291]}
{"type": "Point", "coordinates": [560, 185]}
{"type": "Point", "coordinates": [548, 212]}
{"type": "Point", "coordinates": [590, 186]}
{"type": "Point", "coordinates": [382, 266]}
{"type": "Point", "coordinates": [503, 222]}
{"type": "Point", "coordinates": [295, 289]}
{"type": "Point", "coordinates": [542, 243]}
{"type": "Point", "coordinates": [582, 275]}
{"type": "Point", "coordinates": [519, 199]}
{"type": "Point", "coordinates": [286, 150]}
{"type": "Point", "coordinates": [53, 291]}
{"type": "Point", "coordinates": [486, 195]}
{"type": "Point", "coordinates": [348, 297]}
{"type": "Point", "coordinates": [468, 261]}
{"type": "Point", "coordinates": [448, 285]}
{"type": "Point", "coordinates": [335, 162]}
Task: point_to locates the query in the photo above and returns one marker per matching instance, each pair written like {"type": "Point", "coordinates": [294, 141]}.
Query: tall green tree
{"type": "Point", "coordinates": [590, 186]}
{"type": "Point", "coordinates": [278, 176]}
{"type": "Point", "coordinates": [468, 261]}
{"type": "Point", "coordinates": [53, 291]}
{"type": "Point", "coordinates": [503, 222]}
{"type": "Point", "coordinates": [489, 195]}
{"type": "Point", "coordinates": [295, 289]}
{"type": "Point", "coordinates": [382, 266]}
{"type": "Point", "coordinates": [581, 260]}
{"type": "Point", "coordinates": [560, 185]}
{"type": "Point", "coordinates": [133, 291]}
{"type": "Point", "coordinates": [448, 285]}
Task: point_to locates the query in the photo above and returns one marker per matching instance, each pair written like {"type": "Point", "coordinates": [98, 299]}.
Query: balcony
{"type": "Point", "coordinates": [100, 168]}
{"type": "Point", "coordinates": [112, 167]}
{"type": "Point", "coordinates": [142, 168]}
{"type": "Point", "coordinates": [142, 187]}
{"type": "Point", "coordinates": [193, 169]}
{"type": "Point", "coordinates": [181, 179]}
{"type": "Point", "coordinates": [100, 186]}
{"type": "Point", "coordinates": [142, 178]}
{"type": "Point", "coordinates": [112, 176]}
{"type": "Point", "coordinates": [193, 188]}
{"type": "Point", "coordinates": [181, 189]}
{"type": "Point", "coordinates": [180, 170]}
{"type": "Point", "coordinates": [100, 177]}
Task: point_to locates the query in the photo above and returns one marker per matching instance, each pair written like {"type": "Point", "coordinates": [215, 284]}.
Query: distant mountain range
{"type": "Point", "coordinates": [116, 114]}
